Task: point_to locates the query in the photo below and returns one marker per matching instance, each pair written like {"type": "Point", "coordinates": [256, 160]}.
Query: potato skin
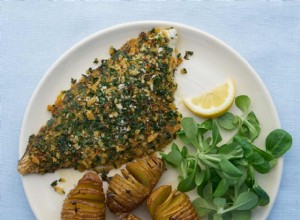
{"type": "Point", "coordinates": [164, 204]}
{"type": "Point", "coordinates": [128, 216]}
{"type": "Point", "coordinates": [126, 193]}
{"type": "Point", "coordinates": [86, 200]}
{"type": "Point", "coordinates": [157, 197]}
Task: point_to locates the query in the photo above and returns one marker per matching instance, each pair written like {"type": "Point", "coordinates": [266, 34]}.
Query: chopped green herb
{"type": "Point", "coordinates": [73, 81]}
{"type": "Point", "coordinates": [54, 183]}
{"type": "Point", "coordinates": [188, 54]}
{"type": "Point", "coordinates": [96, 61]}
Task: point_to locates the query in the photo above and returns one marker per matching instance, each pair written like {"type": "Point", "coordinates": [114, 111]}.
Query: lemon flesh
{"type": "Point", "coordinates": [213, 103]}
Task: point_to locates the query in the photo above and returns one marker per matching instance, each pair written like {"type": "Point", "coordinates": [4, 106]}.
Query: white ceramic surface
{"type": "Point", "coordinates": [212, 63]}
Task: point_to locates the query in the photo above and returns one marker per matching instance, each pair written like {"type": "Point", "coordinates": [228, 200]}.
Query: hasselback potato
{"type": "Point", "coordinates": [165, 204]}
{"type": "Point", "coordinates": [128, 216]}
{"type": "Point", "coordinates": [127, 192]}
{"type": "Point", "coordinates": [86, 200]}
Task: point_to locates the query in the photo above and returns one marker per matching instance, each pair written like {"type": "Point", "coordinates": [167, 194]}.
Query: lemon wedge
{"type": "Point", "coordinates": [213, 103]}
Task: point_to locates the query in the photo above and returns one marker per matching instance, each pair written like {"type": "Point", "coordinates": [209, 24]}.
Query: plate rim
{"type": "Point", "coordinates": [140, 23]}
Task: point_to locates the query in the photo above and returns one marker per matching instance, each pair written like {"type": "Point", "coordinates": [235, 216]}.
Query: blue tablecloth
{"type": "Point", "coordinates": [35, 34]}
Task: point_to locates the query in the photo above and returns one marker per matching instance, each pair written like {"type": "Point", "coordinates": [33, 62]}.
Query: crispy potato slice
{"type": "Point", "coordinates": [157, 197]}
{"type": "Point", "coordinates": [147, 172]}
{"type": "Point", "coordinates": [165, 204]}
{"type": "Point", "coordinates": [174, 206]}
{"type": "Point", "coordinates": [124, 194]}
{"type": "Point", "coordinates": [86, 200]}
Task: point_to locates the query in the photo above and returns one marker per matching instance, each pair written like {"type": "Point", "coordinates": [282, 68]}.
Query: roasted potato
{"type": "Point", "coordinates": [128, 216]}
{"type": "Point", "coordinates": [86, 200]}
{"type": "Point", "coordinates": [165, 204]}
{"type": "Point", "coordinates": [126, 193]}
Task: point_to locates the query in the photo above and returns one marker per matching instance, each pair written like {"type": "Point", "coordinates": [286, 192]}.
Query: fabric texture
{"type": "Point", "coordinates": [35, 34]}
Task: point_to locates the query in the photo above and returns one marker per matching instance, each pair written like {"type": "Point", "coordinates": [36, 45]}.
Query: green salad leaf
{"type": "Point", "coordinates": [224, 174]}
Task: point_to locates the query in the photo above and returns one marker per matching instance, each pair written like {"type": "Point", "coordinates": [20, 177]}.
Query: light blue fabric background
{"type": "Point", "coordinates": [35, 34]}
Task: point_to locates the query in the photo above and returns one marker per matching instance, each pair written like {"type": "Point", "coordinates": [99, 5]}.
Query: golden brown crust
{"type": "Point", "coordinates": [126, 193]}
{"type": "Point", "coordinates": [120, 111]}
{"type": "Point", "coordinates": [86, 200]}
{"type": "Point", "coordinates": [164, 204]}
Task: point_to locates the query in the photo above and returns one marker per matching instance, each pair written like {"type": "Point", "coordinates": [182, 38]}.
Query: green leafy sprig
{"type": "Point", "coordinates": [224, 175]}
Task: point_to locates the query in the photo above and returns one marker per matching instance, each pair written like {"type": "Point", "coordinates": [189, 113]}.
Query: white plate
{"type": "Point", "coordinates": [212, 63]}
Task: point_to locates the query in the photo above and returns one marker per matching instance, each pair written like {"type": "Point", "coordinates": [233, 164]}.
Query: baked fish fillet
{"type": "Point", "coordinates": [120, 111]}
